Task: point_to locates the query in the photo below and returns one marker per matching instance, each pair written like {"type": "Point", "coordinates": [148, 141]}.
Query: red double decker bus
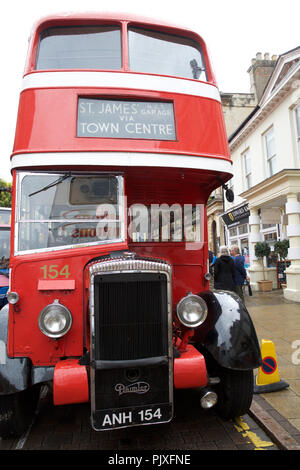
{"type": "Point", "coordinates": [119, 142]}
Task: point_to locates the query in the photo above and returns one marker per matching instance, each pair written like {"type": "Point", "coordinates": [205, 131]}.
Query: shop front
{"type": "Point", "coordinates": [274, 206]}
{"type": "Point", "coordinates": [236, 223]}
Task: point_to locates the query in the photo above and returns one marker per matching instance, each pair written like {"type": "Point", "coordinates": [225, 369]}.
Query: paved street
{"type": "Point", "coordinates": [278, 320]}
{"type": "Point", "coordinates": [68, 428]}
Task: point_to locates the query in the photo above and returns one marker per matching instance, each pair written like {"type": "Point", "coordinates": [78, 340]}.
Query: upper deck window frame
{"type": "Point", "coordinates": [125, 26]}
{"type": "Point", "coordinates": [112, 26]}
{"type": "Point", "coordinates": [196, 70]}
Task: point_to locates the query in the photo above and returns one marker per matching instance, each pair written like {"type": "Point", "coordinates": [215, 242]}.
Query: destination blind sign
{"type": "Point", "coordinates": [125, 119]}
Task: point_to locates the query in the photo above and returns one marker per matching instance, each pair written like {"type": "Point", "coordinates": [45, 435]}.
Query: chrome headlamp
{"type": "Point", "coordinates": [12, 297]}
{"type": "Point", "coordinates": [191, 310]}
{"type": "Point", "coordinates": [55, 320]}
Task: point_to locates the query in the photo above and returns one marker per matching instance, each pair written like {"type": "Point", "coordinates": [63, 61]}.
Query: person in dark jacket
{"type": "Point", "coordinates": [240, 271]}
{"type": "Point", "coordinates": [224, 272]}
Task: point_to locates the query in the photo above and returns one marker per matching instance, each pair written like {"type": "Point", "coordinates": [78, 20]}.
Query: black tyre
{"type": "Point", "coordinates": [235, 393]}
{"type": "Point", "coordinates": [16, 412]}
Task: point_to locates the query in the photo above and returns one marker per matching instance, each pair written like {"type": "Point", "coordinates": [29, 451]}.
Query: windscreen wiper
{"type": "Point", "coordinates": [58, 181]}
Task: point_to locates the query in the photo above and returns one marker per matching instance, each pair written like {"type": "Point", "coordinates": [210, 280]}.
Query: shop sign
{"type": "Point", "coordinates": [236, 216]}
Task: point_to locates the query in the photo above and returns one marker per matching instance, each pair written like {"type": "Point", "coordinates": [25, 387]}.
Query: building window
{"type": "Point", "coordinates": [270, 235]}
{"type": "Point", "coordinates": [247, 169]}
{"type": "Point", "coordinates": [243, 229]}
{"type": "Point", "coordinates": [233, 232]}
{"type": "Point", "coordinates": [297, 114]}
{"type": "Point", "coordinates": [270, 151]}
{"type": "Point", "coordinates": [238, 235]}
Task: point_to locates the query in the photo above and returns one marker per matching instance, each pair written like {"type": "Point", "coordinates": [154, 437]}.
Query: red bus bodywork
{"type": "Point", "coordinates": [184, 170]}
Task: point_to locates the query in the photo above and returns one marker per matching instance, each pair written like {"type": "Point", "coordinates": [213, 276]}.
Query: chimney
{"type": "Point", "coordinates": [260, 71]}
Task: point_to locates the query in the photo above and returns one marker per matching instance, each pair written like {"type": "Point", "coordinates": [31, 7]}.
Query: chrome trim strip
{"type": "Point", "coordinates": [135, 265]}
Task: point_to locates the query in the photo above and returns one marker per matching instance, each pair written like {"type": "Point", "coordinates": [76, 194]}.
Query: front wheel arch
{"type": "Point", "coordinates": [228, 333]}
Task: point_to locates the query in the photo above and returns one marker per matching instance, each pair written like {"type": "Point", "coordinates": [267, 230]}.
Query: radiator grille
{"type": "Point", "coordinates": [131, 316]}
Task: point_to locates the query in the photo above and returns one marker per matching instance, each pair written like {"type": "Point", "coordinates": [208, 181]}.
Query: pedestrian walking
{"type": "Point", "coordinates": [224, 272]}
{"type": "Point", "coordinates": [240, 271]}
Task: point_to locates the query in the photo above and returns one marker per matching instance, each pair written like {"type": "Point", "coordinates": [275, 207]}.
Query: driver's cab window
{"type": "Point", "coordinates": [58, 210]}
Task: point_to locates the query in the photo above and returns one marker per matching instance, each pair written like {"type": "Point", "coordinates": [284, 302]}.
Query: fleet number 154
{"type": "Point", "coordinates": [52, 271]}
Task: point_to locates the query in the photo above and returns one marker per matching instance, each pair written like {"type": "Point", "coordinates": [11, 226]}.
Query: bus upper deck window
{"type": "Point", "coordinates": [80, 47]}
{"type": "Point", "coordinates": [165, 54]}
